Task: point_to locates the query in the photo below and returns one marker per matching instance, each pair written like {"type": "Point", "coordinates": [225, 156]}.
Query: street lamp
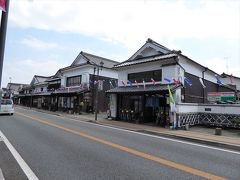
{"type": "Point", "coordinates": [96, 69]}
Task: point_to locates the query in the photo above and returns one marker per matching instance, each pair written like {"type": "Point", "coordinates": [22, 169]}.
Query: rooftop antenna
{"type": "Point", "coordinates": [226, 59]}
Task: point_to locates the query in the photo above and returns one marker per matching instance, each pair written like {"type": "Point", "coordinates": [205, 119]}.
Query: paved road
{"type": "Point", "coordinates": [62, 148]}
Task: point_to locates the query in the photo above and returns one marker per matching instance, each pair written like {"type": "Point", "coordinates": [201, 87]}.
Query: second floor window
{"type": "Point", "coordinates": [74, 81]}
{"type": "Point", "coordinates": [147, 75]}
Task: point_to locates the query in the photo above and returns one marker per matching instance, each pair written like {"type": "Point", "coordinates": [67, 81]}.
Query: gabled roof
{"type": "Point", "coordinates": [15, 86]}
{"type": "Point", "coordinates": [157, 52]}
{"type": "Point", "coordinates": [224, 75]}
{"type": "Point", "coordinates": [93, 59]}
{"type": "Point", "coordinates": [39, 79]}
{"type": "Point", "coordinates": [146, 60]}
{"type": "Point", "coordinates": [160, 49]}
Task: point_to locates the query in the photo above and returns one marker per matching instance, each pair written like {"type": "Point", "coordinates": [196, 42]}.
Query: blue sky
{"type": "Point", "coordinates": [45, 35]}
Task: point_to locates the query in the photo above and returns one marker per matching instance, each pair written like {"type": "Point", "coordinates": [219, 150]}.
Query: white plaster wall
{"type": "Point", "coordinates": [151, 52]}
{"type": "Point", "coordinates": [215, 108]}
{"type": "Point", "coordinates": [187, 108]}
{"type": "Point", "coordinates": [235, 82]}
{"type": "Point", "coordinates": [38, 88]}
{"type": "Point", "coordinates": [81, 60]}
{"type": "Point", "coordinates": [85, 71]}
{"type": "Point", "coordinates": [196, 70]}
{"type": "Point", "coordinates": [167, 71]}
{"type": "Point", "coordinates": [63, 81]}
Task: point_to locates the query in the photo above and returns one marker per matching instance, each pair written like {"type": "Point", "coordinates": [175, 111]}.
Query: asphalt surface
{"type": "Point", "coordinates": [61, 148]}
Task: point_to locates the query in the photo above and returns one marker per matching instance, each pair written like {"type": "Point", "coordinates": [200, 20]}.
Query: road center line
{"type": "Point", "coordinates": [144, 134]}
{"type": "Point", "coordinates": [131, 151]}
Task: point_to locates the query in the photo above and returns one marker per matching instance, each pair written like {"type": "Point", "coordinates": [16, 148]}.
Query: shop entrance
{"type": "Point", "coordinates": [149, 109]}
{"type": "Point", "coordinates": [156, 110]}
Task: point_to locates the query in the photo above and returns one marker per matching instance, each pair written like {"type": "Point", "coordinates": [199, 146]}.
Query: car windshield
{"type": "Point", "coordinates": [6, 102]}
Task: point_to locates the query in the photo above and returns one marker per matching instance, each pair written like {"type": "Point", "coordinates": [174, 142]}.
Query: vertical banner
{"type": "Point", "coordinates": [3, 5]}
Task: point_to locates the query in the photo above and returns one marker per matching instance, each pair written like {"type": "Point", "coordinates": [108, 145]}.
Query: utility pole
{"type": "Point", "coordinates": [3, 31]}
{"type": "Point", "coordinates": [97, 68]}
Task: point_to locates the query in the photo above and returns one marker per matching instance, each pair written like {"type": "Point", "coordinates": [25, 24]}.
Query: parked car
{"type": "Point", "coordinates": [7, 107]}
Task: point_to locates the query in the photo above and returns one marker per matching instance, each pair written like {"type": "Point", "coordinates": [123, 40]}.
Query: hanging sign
{"type": "Point", "coordinates": [221, 96]}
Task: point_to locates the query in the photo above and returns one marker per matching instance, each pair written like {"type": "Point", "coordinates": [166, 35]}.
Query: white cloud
{"type": "Point", "coordinates": [130, 22]}
{"type": "Point", "coordinates": [31, 67]}
{"type": "Point", "coordinates": [35, 43]}
{"type": "Point", "coordinates": [220, 65]}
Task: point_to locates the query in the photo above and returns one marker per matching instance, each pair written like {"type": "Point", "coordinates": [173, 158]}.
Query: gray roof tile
{"type": "Point", "coordinates": [145, 60]}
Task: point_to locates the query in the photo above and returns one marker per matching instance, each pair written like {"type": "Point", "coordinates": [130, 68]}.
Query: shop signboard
{"type": "Point", "coordinates": [221, 96]}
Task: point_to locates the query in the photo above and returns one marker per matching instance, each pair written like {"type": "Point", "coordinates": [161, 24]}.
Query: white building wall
{"type": "Point", "coordinates": [208, 108]}
{"type": "Point", "coordinates": [63, 81]}
{"type": "Point", "coordinates": [234, 82]}
{"type": "Point", "coordinates": [85, 72]}
{"type": "Point", "coordinates": [167, 71]}
{"type": "Point", "coordinates": [38, 88]}
{"type": "Point", "coordinates": [195, 69]}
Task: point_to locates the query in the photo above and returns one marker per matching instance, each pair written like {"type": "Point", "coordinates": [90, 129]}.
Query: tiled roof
{"type": "Point", "coordinates": [148, 88]}
{"type": "Point", "coordinates": [145, 60]}
{"type": "Point", "coordinates": [97, 59]}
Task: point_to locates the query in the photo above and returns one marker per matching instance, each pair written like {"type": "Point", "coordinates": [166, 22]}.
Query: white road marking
{"type": "Point", "coordinates": [1, 175]}
{"type": "Point", "coordinates": [26, 169]}
{"type": "Point", "coordinates": [149, 135]}
{"type": "Point", "coordinates": [164, 138]}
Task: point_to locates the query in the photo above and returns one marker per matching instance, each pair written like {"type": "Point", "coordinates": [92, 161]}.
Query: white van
{"type": "Point", "coordinates": [6, 107]}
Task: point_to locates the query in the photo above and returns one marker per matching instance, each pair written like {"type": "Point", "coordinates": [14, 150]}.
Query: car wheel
{"type": "Point", "coordinates": [11, 114]}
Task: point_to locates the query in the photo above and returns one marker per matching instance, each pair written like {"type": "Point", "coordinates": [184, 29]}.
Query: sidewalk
{"type": "Point", "coordinates": [229, 139]}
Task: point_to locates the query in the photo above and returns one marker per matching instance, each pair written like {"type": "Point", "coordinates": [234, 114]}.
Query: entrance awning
{"type": "Point", "coordinates": [42, 94]}
{"type": "Point", "coordinates": [141, 89]}
{"type": "Point", "coordinates": [66, 91]}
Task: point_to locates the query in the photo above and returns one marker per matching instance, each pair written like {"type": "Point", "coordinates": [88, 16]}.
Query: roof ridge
{"type": "Point", "coordinates": [98, 56]}
{"type": "Point", "coordinates": [153, 56]}
{"type": "Point", "coordinates": [149, 40]}
{"type": "Point", "coordinates": [42, 76]}
{"type": "Point", "coordinates": [225, 74]}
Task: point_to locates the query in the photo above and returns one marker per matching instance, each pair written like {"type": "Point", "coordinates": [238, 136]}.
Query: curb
{"type": "Point", "coordinates": [194, 140]}
{"type": "Point", "coordinates": [201, 141]}
{"type": "Point", "coordinates": [1, 175]}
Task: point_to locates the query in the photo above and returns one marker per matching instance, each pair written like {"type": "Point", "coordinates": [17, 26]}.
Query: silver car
{"type": "Point", "coordinates": [6, 106]}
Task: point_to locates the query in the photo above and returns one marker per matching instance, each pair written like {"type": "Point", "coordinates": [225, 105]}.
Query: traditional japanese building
{"type": "Point", "coordinates": [142, 94]}
{"type": "Point", "coordinates": [73, 89]}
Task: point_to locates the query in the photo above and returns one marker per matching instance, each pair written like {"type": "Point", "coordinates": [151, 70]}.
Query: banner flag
{"type": "Point", "coordinates": [111, 85]}
{"type": "Point", "coordinates": [176, 82]}
{"type": "Point", "coordinates": [144, 85]}
{"type": "Point", "coordinates": [171, 100]}
{"type": "Point", "coordinates": [96, 82]}
{"type": "Point", "coordinates": [3, 5]}
{"type": "Point", "coordinates": [123, 83]}
{"type": "Point", "coordinates": [153, 81]}
{"type": "Point", "coordinates": [129, 82]}
{"type": "Point", "coordinates": [201, 81]}
{"type": "Point", "coordinates": [167, 80]}
{"type": "Point", "coordinates": [218, 80]}
{"type": "Point", "coordinates": [188, 81]}
{"type": "Point", "coordinates": [136, 83]}
{"type": "Point", "coordinates": [116, 83]}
